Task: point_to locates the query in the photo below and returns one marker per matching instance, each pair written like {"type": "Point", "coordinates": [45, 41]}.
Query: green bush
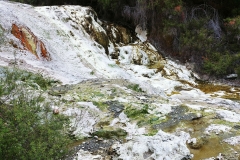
{"type": "Point", "coordinates": [219, 63]}
{"type": "Point", "coordinates": [28, 127]}
{"type": "Point", "coordinates": [36, 80]}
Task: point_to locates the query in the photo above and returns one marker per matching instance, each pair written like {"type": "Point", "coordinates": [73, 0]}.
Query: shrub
{"type": "Point", "coordinates": [28, 128]}
{"type": "Point", "coordinates": [219, 63]}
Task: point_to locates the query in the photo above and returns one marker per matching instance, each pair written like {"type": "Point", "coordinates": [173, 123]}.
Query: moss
{"type": "Point", "coordinates": [92, 72]}
{"type": "Point", "coordinates": [134, 113]}
{"type": "Point", "coordinates": [226, 123]}
{"type": "Point", "coordinates": [101, 105]}
{"type": "Point", "coordinates": [143, 118]}
{"type": "Point", "coordinates": [98, 94]}
{"type": "Point", "coordinates": [110, 134]}
{"type": "Point", "coordinates": [29, 78]}
{"type": "Point", "coordinates": [152, 132]}
{"type": "Point", "coordinates": [103, 123]}
{"type": "Point", "coordinates": [135, 87]}
{"type": "Point", "coordinates": [149, 120]}
{"type": "Point", "coordinates": [112, 65]}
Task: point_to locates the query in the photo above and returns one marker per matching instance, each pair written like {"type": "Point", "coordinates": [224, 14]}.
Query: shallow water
{"type": "Point", "coordinates": [213, 144]}
{"type": "Point", "coordinates": [211, 149]}
{"type": "Point", "coordinates": [228, 92]}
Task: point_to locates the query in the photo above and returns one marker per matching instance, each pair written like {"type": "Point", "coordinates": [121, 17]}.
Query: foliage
{"type": "Point", "coordinates": [218, 63]}
{"type": "Point", "coordinates": [28, 128]}
{"type": "Point", "coordinates": [201, 39]}
{"type": "Point", "coordinates": [189, 32]}
{"type": "Point", "coordinates": [26, 77]}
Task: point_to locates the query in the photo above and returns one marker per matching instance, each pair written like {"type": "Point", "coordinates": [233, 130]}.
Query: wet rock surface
{"type": "Point", "coordinates": [177, 115]}
{"type": "Point", "coordinates": [96, 146]}
{"type": "Point", "coordinates": [115, 107]}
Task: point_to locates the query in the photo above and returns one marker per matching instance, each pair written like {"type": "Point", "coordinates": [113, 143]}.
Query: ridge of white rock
{"type": "Point", "coordinates": [75, 53]}
{"type": "Point", "coordinates": [160, 146]}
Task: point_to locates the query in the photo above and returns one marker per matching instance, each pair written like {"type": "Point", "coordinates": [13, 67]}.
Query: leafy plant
{"type": "Point", "coordinates": [218, 63]}
{"type": "Point", "coordinates": [28, 128]}
{"type": "Point", "coordinates": [15, 74]}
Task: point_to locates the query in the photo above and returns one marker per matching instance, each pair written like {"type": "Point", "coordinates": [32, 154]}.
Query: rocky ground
{"type": "Point", "coordinates": [200, 128]}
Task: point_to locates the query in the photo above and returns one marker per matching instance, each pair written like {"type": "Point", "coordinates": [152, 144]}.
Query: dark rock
{"type": "Point", "coordinates": [96, 147]}
{"type": "Point", "coordinates": [203, 78]}
{"type": "Point", "coordinates": [177, 115]}
{"type": "Point", "coordinates": [147, 154]}
{"type": "Point", "coordinates": [236, 127]}
{"type": "Point", "coordinates": [115, 107]}
{"type": "Point", "coordinates": [188, 157]}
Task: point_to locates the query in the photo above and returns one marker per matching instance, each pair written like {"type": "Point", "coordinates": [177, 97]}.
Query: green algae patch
{"type": "Point", "coordinates": [143, 118]}
{"type": "Point", "coordinates": [110, 134]}
{"type": "Point", "coordinates": [148, 120]}
{"type": "Point", "coordinates": [98, 94]}
{"type": "Point", "coordinates": [103, 123]}
{"type": "Point", "coordinates": [101, 105]}
{"type": "Point", "coordinates": [135, 113]}
{"type": "Point", "coordinates": [179, 114]}
{"type": "Point", "coordinates": [135, 87]}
